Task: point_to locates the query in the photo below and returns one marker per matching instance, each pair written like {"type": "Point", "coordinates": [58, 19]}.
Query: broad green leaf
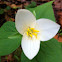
{"type": "Point", "coordinates": [32, 5]}
{"type": "Point", "coordinates": [9, 27]}
{"type": "Point", "coordinates": [50, 51]}
{"type": "Point", "coordinates": [44, 11]}
{"type": "Point", "coordinates": [0, 59]}
{"type": "Point", "coordinates": [10, 39]}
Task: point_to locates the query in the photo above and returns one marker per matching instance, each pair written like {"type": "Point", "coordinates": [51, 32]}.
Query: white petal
{"type": "Point", "coordinates": [48, 29]}
{"type": "Point", "coordinates": [30, 46]}
{"type": "Point", "coordinates": [24, 19]}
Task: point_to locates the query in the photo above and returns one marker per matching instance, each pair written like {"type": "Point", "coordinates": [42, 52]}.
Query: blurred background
{"type": "Point", "coordinates": [8, 9]}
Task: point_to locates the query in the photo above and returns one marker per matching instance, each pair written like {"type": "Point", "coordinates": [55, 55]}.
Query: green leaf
{"type": "Point", "coordinates": [60, 33]}
{"type": "Point", "coordinates": [0, 59]}
{"type": "Point", "coordinates": [8, 8]}
{"type": "Point", "coordinates": [44, 11]}
{"type": "Point", "coordinates": [50, 51]}
{"type": "Point", "coordinates": [10, 39]}
{"type": "Point", "coordinates": [1, 11]}
{"type": "Point", "coordinates": [32, 5]}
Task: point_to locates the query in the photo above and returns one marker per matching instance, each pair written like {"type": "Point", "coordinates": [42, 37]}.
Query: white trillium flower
{"type": "Point", "coordinates": [33, 31]}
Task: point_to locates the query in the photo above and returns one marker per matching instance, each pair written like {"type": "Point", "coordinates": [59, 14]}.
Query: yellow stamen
{"type": "Point", "coordinates": [36, 31]}
{"type": "Point", "coordinates": [31, 31]}
{"type": "Point", "coordinates": [35, 34]}
{"type": "Point", "coordinates": [28, 29]}
{"type": "Point", "coordinates": [27, 33]}
{"type": "Point", "coordinates": [30, 35]}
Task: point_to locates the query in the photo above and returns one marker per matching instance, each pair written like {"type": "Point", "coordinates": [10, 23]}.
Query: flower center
{"type": "Point", "coordinates": [31, 31]}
